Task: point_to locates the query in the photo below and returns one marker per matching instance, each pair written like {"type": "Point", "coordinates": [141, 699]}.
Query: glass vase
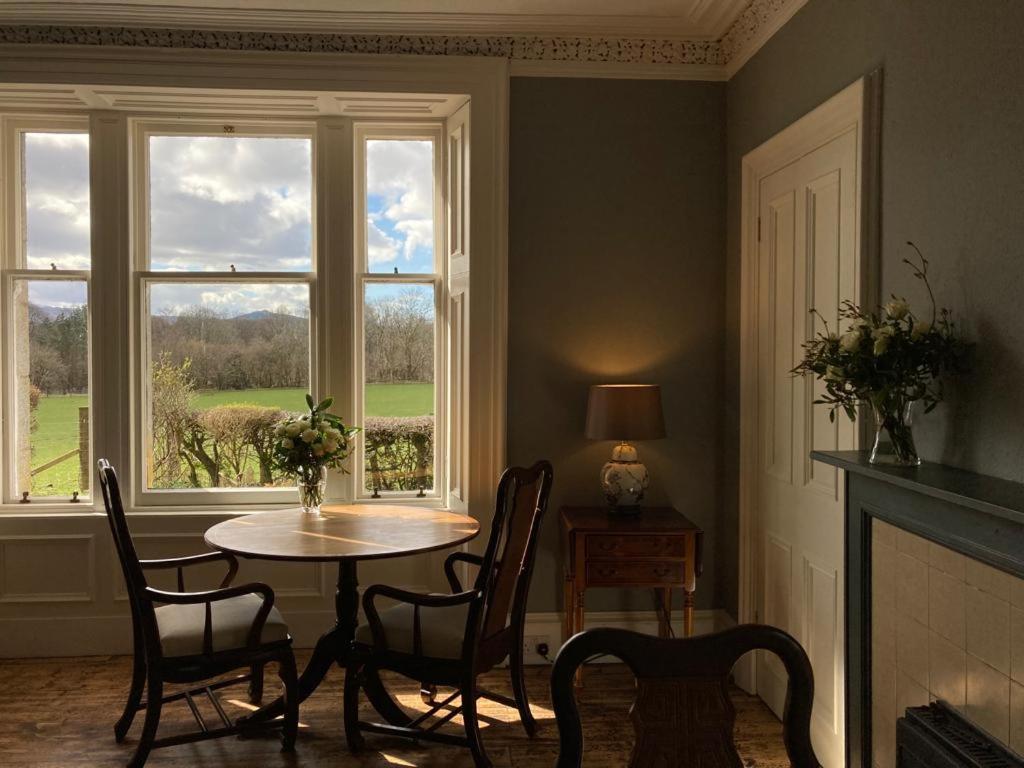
{"type": "Point", "coordinates": [312, 483]}
{"type": "Point", "coordinates": [894, 435]}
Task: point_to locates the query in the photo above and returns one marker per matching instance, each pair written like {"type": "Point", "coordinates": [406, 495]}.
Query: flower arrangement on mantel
{"type": "Point", "coordinates": [890, 360]}
{"type": "Point", "coordinates": [310, 444]}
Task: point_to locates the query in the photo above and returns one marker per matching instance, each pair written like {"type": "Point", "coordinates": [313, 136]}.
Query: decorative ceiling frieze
{"type": "Point", "coordinates": [716, 59]}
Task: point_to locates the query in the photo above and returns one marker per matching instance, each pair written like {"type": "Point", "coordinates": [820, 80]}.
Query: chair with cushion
{"type": "Point", "coordinates": [682, 714]}
{"type": "Point", "coordinates": [189, 637]}
{"type": "Point", "coordinates": [448, 640]}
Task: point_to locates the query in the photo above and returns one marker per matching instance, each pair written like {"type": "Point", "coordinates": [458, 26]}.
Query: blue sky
{"type": "Point", "coordinates": [217, 201]}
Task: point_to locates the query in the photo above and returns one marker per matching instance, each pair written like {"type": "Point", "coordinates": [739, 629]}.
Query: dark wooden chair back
{"type": "Point", "coordinates": [134, 576]}
{"type": "Point", "coordinates": [682, 713]}
{"type": "Point", "coordinates": [504, 576]}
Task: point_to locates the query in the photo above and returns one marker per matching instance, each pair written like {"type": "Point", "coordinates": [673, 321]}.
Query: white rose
{"type": "Point", "coordinates": [293, 429]}
{"type": "Point", "coordinates": [318, 450]}
{"type": "Point", "coordinates": [333, 434]}
{"type": "Point", "coordinates": [330, 446]}
{"type": "Point", "coordinates": [882, 337]}
{"type": "Point", "coordinates": [308, 435]}
{"type": "Point", "coordinates": [287, 443]}
{"type": "Point", "coordinates": [897, 309]}
{"type": "Point", "coordinates": [850, 341]}
{"type": "Point", "coordinates": [921, 328]}
{"type": "Point", "coordinates": [279, 430]}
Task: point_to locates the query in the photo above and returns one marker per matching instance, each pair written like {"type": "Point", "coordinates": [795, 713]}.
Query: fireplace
{"type": "Point", "coordinates": [934, 609]}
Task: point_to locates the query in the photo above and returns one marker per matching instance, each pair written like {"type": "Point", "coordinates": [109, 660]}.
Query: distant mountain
{"type": "Point", "coordinates": [49, 312]}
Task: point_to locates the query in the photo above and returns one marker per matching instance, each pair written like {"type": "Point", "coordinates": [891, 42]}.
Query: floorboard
{"type": "Point", "coordinates": [59, 713]}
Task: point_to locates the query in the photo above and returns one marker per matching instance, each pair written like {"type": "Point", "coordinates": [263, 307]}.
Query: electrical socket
{"type": "Point", "coordinates": [532, 647]}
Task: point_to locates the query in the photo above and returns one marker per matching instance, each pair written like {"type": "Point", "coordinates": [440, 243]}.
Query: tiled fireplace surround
{"type": "Point", "coordinates": [943, 626]}
{"type": "Point", "coordinates": [934, 596]}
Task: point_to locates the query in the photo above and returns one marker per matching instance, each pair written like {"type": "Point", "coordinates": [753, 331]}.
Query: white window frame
{"type": "Point", "coordinates": [13, 269]}
{"type": "Point", "coordinates": [143, 277]}
{"type": "Point", "coordinates": [433, 131]}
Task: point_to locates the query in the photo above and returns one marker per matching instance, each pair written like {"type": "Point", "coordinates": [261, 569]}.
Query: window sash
{"type": "Point", "coordinates": [384, 130]}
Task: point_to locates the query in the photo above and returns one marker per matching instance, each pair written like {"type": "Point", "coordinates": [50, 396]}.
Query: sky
{"type": "Point", "coordinates": [218, 201]}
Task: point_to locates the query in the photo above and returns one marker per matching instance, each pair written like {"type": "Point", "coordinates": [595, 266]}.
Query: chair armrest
{"type": "Point", "coordinates": [213, 596]}
{"type": "Point", "coordinates": [449, 567]}
{"type": "Point", "coordinates": [416, 599]}
{"type": "Point", "coordinates": [180, 563]}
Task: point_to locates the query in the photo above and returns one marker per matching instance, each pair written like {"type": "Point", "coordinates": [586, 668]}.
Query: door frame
{"type": "Point", "coordinates": [856, 106]}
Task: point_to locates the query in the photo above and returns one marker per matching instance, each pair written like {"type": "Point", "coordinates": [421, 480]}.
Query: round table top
{"type": "Point", "coordinates": [342, 532]}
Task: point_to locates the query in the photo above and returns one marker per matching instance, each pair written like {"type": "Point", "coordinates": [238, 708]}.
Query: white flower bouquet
{"type": "Point", "coordinates": [888, 359]}
{"type": "Point", "coordinates": [308, 445]}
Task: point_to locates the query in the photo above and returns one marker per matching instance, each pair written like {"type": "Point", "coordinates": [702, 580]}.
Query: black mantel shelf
{"type": "Point", "coordinates": [984, 493]}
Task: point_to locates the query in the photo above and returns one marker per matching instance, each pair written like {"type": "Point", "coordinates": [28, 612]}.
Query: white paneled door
{"type": "Point", "coordinates": [806, 258]}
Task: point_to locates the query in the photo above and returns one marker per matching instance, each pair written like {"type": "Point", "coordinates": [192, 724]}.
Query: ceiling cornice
{"type": "Point", "coordinates": [577, 55]}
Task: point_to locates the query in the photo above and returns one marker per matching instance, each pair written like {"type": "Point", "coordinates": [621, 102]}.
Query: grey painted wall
{"type": "Point", "coordinates": [953, 181]}
{"type": "Point", "coordinates": [616, 274]}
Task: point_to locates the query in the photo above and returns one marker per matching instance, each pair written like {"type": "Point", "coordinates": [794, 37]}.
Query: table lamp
{"type": "Point", "coordinates": [624, 412]}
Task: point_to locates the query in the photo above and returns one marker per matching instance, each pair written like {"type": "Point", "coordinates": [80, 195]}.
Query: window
{"type": "Point", "coordinates": [46, 264]}
{"type": "Point", "coordinates": [238, 266]}
{"type": "Point", "coordinates": [400, 284]}
{"type": "Point", "coordinates": [226, 279]}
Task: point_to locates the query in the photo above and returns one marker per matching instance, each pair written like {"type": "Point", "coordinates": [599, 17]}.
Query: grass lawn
{"type": "Point", "coordinates": [57, 422]}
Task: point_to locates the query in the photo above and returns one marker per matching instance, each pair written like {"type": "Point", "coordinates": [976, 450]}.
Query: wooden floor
{"type": "Point", "coordinates": [60, 712]}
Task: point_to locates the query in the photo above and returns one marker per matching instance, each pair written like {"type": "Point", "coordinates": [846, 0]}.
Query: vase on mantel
{"type": "Point", "coordinates": [894, 435]}
{"type": "Point", "coordinates": [312, 483]}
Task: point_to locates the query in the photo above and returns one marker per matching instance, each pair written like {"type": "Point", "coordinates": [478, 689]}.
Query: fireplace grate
{"type": "Point", "coordinates": [937, 736]}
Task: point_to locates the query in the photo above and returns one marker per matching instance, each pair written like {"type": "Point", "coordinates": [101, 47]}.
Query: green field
{"type": "Point", "coordinates": [56, 430]}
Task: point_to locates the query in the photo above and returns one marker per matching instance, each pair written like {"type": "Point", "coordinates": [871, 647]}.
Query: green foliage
{"type": "Point", "coordinates": [887, 358]}
{"type": "Point", "coordinates": [399, 453]}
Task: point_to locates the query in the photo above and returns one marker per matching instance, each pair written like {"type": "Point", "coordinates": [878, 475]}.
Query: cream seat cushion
{"type": "Point", "coordinates": [181, 626]}
{"type": "Point", "coordinates": [441, 630]}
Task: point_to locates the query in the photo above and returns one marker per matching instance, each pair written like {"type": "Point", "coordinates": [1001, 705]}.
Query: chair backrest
{"type": "Point", "coordinates": [682, 713]}
{"type": "Point", "coordinates": [504, 576]}
{"type": "Point", "coordinates": [134, 578]}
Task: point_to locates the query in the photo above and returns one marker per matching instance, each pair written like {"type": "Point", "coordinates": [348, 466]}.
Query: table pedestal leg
{"type": "Point", "coordinates": [333, 648]}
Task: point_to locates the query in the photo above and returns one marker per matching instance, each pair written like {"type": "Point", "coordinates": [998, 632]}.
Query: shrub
{"type": "Point", "coordinates": [399, 453]}
{"type": "Point", "coordinates": [241, 434]}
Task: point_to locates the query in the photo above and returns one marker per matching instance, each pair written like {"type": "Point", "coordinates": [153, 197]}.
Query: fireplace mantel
{"type": "Point", "coordinates": [979, 516]}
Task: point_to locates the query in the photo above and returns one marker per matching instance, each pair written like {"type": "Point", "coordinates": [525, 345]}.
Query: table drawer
{"type": "Point", "coordinates": [644, 545]}
{"type": "Point", "coordinates": [640, 572]}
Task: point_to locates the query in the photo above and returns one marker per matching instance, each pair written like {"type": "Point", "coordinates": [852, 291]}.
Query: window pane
{"type": "Point", "coordinates": [398, 414]}
{"type": "Point", "coordinates": [218, 201]}
{"type": "Point", "coordinates": [227, 361]}
{"type": "Point", "coordinates": [400, 206]}
{"type": "Point", "coordinates": [51, 396]}
{"type": "Point", "coordinates": [56, 188]}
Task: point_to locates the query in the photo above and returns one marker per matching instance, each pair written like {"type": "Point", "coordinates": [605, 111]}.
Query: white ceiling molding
{"type": "Point", "coordinates": [618, 55]}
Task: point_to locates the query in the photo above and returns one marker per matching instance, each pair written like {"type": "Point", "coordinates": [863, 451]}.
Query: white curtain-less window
{"type": "Point", "coordinates": [45, 269]}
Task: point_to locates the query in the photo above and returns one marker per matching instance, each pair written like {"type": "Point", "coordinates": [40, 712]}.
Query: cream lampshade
{"type": "Point", "coordinates": [624, 412]}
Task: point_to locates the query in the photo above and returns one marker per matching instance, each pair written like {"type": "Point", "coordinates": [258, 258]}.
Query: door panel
{"type": "Point", "coordinates": [806, 260]}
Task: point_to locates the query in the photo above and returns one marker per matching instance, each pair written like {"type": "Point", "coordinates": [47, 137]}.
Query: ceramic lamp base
{"type": "Point", "coordinates": [624, 480]}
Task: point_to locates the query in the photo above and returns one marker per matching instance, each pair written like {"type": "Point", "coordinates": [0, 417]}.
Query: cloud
{"type": "Point", "coordinates": [57, 200]}
{"type": "Point", "coordinates": [400, 203]}
{"type": "Point", "coordinates": [229, 299]}
{"type": "Point", "coordinates": [217, 201]}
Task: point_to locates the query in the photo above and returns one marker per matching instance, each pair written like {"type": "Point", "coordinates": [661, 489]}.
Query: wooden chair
{"type": "Point", "coordinates": [195, 636]}
{"type": "Point", "coordinates": [448, 640]}
{"type": "Point", "coordinates": [682, 713]}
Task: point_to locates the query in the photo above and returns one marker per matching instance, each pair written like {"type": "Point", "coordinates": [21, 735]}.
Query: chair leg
{"type": "Point", "coordinates": [428, 693]}
{"type": "Point", "coordinates": [256, 684]}
{"type": "Point", "coordinates": [134, 697]}
{"type": "Point", "coordinates": [290, 679]}
{"type": "Point", "coordinates": [350, 704]}
{"type": "Point", "coordinates": [154, 701]}
{"type": "Point", "coordinates": [519, 690]}
{"type": "Point", "coordinates": [469, 718]}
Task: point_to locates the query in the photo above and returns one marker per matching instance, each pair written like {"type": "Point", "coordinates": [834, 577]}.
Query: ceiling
{"type": "Point", "coordinates": [682, 19]}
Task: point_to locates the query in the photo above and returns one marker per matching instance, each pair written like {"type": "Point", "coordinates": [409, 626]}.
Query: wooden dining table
{"type": "Point", "coordinates": [345, 534]}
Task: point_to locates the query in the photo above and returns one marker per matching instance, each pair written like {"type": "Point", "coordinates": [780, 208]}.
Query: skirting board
{"type": "Point", "coordinates": [111, 635]}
